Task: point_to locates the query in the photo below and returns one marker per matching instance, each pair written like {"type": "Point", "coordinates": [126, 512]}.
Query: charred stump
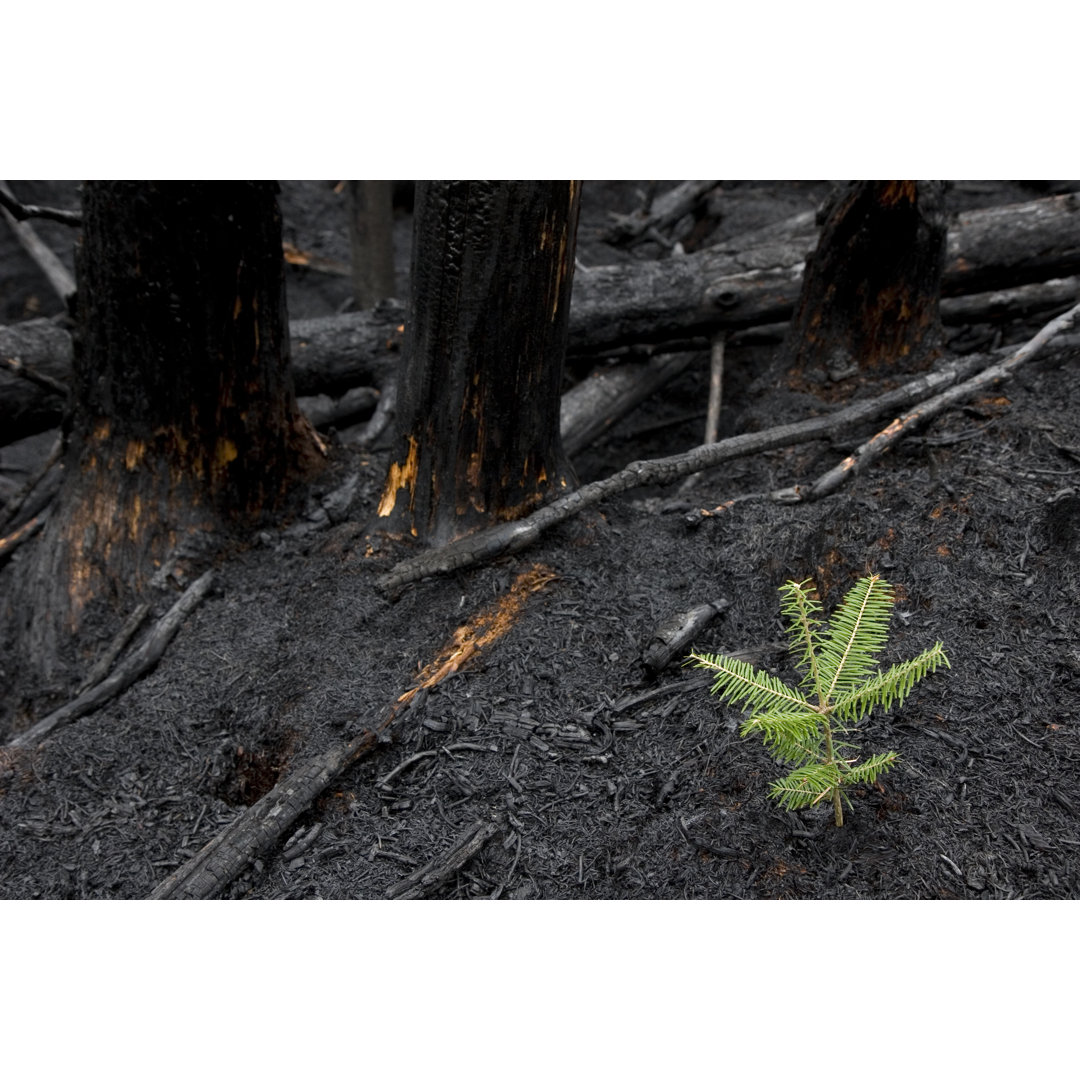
{"type": "Point", "coordinates": [184, 419]}
{"type": "Point", "coordinates": [478, 401]}
{"type": "Point", "coordinates": [871, 291]}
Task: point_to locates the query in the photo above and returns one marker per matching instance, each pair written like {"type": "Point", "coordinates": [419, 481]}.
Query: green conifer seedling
{"type": "Point", "coordinates": [841, 684]}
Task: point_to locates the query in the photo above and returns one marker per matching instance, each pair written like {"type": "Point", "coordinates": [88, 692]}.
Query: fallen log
{"type": "Point", "coordinates": [651, 302]}
{"type": "Point", "coordinates": [1002, 305]}
{"type": "Point", "coordinates": [335, 353]}
{"type": "Point", "coordinates": [323, 410]}
{"type": "Point", "coordinates": [514, 536]}
{"type": "Point", "coordinates": [996, 306]}
{"type": "Point", "coordinates": [1002, 247]}
{"type": "Point", "coordinates": [27, 407]}
{"type": "Point", "coordinates": [596, 403]}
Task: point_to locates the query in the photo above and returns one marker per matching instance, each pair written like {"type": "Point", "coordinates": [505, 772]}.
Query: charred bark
{"type": "Point", "coordinates": [871, 291]}
{"type": "Point", "coordinates": [184, 418]}
{"type": "Point", "coordinates": [478, 400]}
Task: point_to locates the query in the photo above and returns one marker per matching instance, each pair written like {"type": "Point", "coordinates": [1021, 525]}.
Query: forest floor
{"type": "Point", "coordinates": [592, 779]}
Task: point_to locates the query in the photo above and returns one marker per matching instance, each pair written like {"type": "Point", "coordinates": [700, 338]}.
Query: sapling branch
{"type": "Point", "coordinates": [840, 685]}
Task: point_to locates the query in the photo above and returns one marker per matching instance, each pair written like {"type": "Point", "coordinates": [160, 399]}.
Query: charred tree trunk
{"type": "Point", "coordinates": [871, 293]}
{"type": "Point", "coordinates": [371, 238]}
{"type": "Point", "coordinates": [661, 302]}
{"type": "Point", "coordinates": [184, 417]}
{"type": "Point", "coordinates": [478, 402]}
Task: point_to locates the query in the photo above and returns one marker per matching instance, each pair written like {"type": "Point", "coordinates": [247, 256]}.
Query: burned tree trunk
{"type": "Point", "coordinates": [371, 239]}
{"type": "Point", "coordinates": [478, 403]}
{"type": "Point", "coordinates": [872, 288]}
{"type": "Point", "coordinates": [184, 418]}
{"type": "Point", "coordinates": [626, 306]}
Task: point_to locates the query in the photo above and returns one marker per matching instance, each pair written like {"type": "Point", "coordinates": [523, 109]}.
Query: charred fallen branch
{"type": "Point", "coordinates": [137, 664]}
{"type": "Point", "coordinates": [514, 536]}
{"type": "Point", "coordinates": [661, 213]}
{"type": "Point", "coordinates": [14, 540]}
{"type": "Point", "coordinates": [596, 403]}
{"type": "Point", "coordinates": [21, 211]}
{"type": "Point", "coordinates": [615, 307]}
{"type": "Point", "coordinates": [467, 844]}
{"type": "Point", "coordinates": [669, 640]}
{"type": "Point", "coordinates": [264, 824]}
{"type": "Point", "coordinates": [871, 450]}
{"type": "Point", "coordinates": [333, 354]}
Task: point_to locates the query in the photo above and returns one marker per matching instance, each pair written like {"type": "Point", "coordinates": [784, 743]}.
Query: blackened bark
{"type": "Point", "coordinates": [871, 292]}
{"type": "Point", "coordinates": [478, 405]}
{"type": "Point", "coordinates": [184, 417]}
{"type": "Point", "coordinates": [184, 351]}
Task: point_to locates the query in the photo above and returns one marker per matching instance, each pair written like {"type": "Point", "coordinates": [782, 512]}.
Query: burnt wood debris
{"type": "Point", "coordinates": [437, 647]}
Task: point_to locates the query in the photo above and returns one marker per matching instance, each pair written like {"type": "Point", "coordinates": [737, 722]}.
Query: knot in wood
{"type": "Point", "coordinates": [723, 296]}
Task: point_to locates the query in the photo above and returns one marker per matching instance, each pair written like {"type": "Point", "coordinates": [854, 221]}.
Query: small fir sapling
{"type": "Point", "coordinates": [841, 684]}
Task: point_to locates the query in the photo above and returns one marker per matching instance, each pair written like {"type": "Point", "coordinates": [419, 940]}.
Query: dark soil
{"type": "Point", "coordinates": [602, 781]}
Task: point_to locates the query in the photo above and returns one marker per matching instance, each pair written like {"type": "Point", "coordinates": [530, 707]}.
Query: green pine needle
{"type": "Point", "coordinates": [841, 683]}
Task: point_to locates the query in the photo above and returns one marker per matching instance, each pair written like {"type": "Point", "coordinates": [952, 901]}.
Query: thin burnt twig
{"type": "Point", "coordinates": [427, 879]}
{"type": "Point", "coordinates": [20, 211]}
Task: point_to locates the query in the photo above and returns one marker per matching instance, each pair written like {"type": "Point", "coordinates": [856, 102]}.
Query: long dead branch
{"type": "Point", "coordinates": [514, 536]}
{"type": "Point", "coordinates": [873, 448]}
{"type": "Point", "coordinates": [137, 664]}
{"type": "Point", "coordinates": [26, 407]}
